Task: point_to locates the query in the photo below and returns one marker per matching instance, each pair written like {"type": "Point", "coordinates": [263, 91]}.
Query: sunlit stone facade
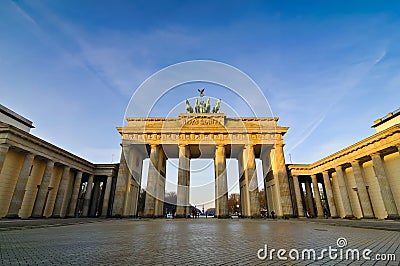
{"type": "Point", "coordinates": [39, 179]}
{"type": "Point", "coordinates": [360, 181]}
{"type": "Point", "coordinates": [210, 135]}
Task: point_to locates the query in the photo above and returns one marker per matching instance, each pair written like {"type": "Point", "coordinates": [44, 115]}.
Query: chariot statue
{"type": "Point", "coordinates": [201, 107]}
{"type": "Point", "coordinates": [217, 106]}
{"type": "Point", "coordinates": [189, 108]}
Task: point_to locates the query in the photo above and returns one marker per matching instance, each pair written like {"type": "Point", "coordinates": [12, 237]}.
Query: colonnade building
{"type": "Point", "coordinates": [39, 179]}
{"type": "Point", "coordinates": [360, 181]}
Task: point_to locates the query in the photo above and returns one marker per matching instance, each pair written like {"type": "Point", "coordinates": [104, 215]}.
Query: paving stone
{"type": "Point", "coordinates": [184, 242]}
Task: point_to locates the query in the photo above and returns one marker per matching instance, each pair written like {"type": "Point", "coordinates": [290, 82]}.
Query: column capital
{"type": "Point", "coordinates": [50, 162]}
{"type": "Point", "coordinates": [313, 176]}
{"type": "Point", "coordinates": [279, 143]}
{"type": "Point", "coordinates": [338, 168]}
{"type": "Point", "coordinates": [182, 145]}
{"type": "Point", "coordinates": [4, 147]}
{"type": "Point", "coordinates": [376, 154]}
{"type": "Point", "coordinates": [325, 174]}
{"type": "Point", "coordinates": [29, 154]}
{"type": "Point", "coordinates": [183, 149]}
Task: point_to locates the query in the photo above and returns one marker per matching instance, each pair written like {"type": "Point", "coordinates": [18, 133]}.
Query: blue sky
{"type": "Point", "coordinates": [327, 68]}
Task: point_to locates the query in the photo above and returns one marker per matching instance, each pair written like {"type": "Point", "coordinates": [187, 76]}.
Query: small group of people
{"type": "Point", "coordinates": [195, 213]}
{"type": "Point", "coordinates": [265, 214]}
{"type": "Point", "coordinates": [310, 215]}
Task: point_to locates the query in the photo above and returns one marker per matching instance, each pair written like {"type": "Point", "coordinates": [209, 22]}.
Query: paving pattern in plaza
{"type": "Point", "coordinates": [183, 242]}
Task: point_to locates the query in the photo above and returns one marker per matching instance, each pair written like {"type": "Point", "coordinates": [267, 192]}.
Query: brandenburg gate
{"type": "Point", "coordinates": [202, 133]}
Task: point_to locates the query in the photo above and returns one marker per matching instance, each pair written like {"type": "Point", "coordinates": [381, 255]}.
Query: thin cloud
{"type": "Point", "coordinates": [25, 15]}
{"type": "Point", "coordinates": [379, 59]}
{"type": "Point", "coordinates": [308, 131]}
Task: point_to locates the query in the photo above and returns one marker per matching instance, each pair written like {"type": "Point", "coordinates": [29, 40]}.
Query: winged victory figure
{"type": "Point", "coordinates": [201, 91]}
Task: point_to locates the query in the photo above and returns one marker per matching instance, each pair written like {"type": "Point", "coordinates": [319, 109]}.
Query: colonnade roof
{"type": "Point", "coordinates": [384, 142]}
{"type": "Point", "coordinates": [22, 141]}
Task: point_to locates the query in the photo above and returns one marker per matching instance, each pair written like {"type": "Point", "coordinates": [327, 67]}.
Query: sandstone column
{"type": "Point", "coordinates": [41, 197]}
{"type": "Point", "coordinates": [19, 190]}
{"type": "Point", "coordinates": [183, 205]}
{"type": "Point", "coordinates": [121, 187]}
{"type": "Point", "coordinates": [95, 198]}
{"type": "Point", "coordinates": [317, 196]}
{"type": "Point", "coordinates": [3, 152]}
{"type": "Point", "coordinates": [243, 183]}
{"type": "Point", "coordinates": [106, 196]}
{"type": "Point", "coordinates": [88, 196]}
{"type": "Point", "coordinates": [329, 194]}
{"type": "Point", "coordinates": [160, 184]}
{"type": "Point", "coordinates": [221, 183]}
{"type": "Point", "coordinates": [135, 155]}
{"type": "Point", "coordinates": [362, 190]}
{"type": "Point", "coordinates": [151, 189]}
{"type": "Point", "coordinates": [267, 170]}
{"type": "Point", "coordinates": [285, 198]}
{"type": "Point", "coordinates": [297, 191]}
{"type": "Point", "coordinates": [75, 193]}
{"type": "Point", "coordinates": [384, 186]}
{"type": "Point", "coordinates": [60, 207]}
{"type": "Point", "coordinates": [310, 201]}
{"type": "Point", "coordinates": [348, 213]}
{"type": "Point", "coordinates": [253, 182]}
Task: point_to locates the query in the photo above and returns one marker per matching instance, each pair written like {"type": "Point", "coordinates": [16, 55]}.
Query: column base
{"type": "Point", "coordinates": [58, 217]}
{"type": "Point", "coordinates": [368, 217]}
{"type": "Point", "coordinates": [38, 217]}
{"type": "Point", "coordinates": [120, 216]}
{"type": "Point", "coordinates": [12, 216]}
{"type": "Point", "coordinates": [392, 217]}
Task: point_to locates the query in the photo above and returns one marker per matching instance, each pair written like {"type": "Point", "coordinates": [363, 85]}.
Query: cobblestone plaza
{"type": "Point", "coordinates": [183, 242]}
